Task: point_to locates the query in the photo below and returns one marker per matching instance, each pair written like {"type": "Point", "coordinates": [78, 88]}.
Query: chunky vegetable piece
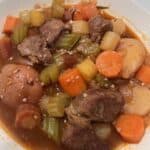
{"type": "Point", "coordinates": [72, 82]}
{"type": "Point", "coordinates": [140, 103]}
{"type": "Point", "coordinates": [85, 11]}
{"type": "Point", "coordinates": [37, 17]}
{"type": "Point", "coordinates": [133, 53]}
{"type": "Point", "coordinates": [55, 106]}
{"type": "Point", "coordinates": [87, 69]}
{"type": "Point", "coordinates": [103, 131]}
{"type": "Point", "coordinates": [58, 9]}
{"type": "Point", "coordinates": [51, 126]}
{"type": "Point", "coordinates": [130, 127]}
{"type": "Point", "coordinates": [109, 63]}
{"type": "Point", "coordinates": [144, 74]}
{"type": "Point", "coordinates": [21, 84]}
{"type": "Point", "coordinates": [19, 33]}
{"type": "Point", "coordinates": [49, 74]}
{"type": "Point", "coordinates": [80, 26]}
{"type": "Point", "coordinates": [110, 41]}
{"type": "Point", "coordinates": [25, 17]}
{"type": "Point", "coordinates": [10, 24]}
{"type": "Point", "coordinates": [119, 26]}
{"type": "Point", "coordinates": [5, 48]}
{"type": "Point", "coordinates": [67, 41]}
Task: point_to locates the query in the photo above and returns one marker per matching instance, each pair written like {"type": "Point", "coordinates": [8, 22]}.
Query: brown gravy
{"type": "Point", "coordinates": [34, 139]}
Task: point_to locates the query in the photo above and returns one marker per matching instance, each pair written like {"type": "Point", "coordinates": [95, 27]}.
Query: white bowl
{"type": "Point", "coordinates": [137, 12]}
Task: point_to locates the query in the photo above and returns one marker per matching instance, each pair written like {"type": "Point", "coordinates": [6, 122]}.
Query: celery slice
{"type": "Point", "coordinates": [51, 126]}
{"type": "Point", "coordinates": [67, 41]}
{"type": "Point", "coordinates": [49, 74]}
{"type": "Point", "coordinates": [20, 33]}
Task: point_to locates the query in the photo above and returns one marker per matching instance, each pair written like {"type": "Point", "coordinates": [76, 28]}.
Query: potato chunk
{"type": "Point", "coordinates": [140, 103]}
{"type": "Point", "coordinates": [133, 56]}
{"type": "Point", "coordinates": [119, 26]}
{"type": "Point", "coordinates": [87, 69]}
{"type": "Point", "coordinates": [37, 17]}
{"type": "Point", "coordinates": [80, 26]}
{"type": "Point", "coordinates": [110, 41]}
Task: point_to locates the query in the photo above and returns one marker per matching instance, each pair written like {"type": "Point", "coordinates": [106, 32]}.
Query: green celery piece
{"type": "Point", "coordinates": [51, 126]}
{"type": "Point", "coordinates": [20, 33]}
{"type": "Point", "coordinates": [67, 41]}
{"type": "Point", "coordinates": [49, 74]}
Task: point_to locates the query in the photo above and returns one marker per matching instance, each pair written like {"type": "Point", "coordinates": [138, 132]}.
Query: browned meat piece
{"type": "Point", "coordinates": [98, 105]}
{"type": "Point", "coordinates": [68, 14]}
{"type": "Point", "coordinates": [70, 60]}
{"type": "Point", "coordinates": [33, 32]}
{"type": "Point", "coordinates": [98, 26]}
{"type": "Point", "coordinates": [19, 84]}
{"type": "Point", "coordinates": [52, 29]}
{"type": "Point", "coordinates": [27, 117]}
{"type": "Point", "coordinates": [77, 119]}
{"type": "Point", "coordinates": [119, 81]}
{"type": "Point", "coordinates": [34, 47]}
{"type": "Point", "coordinates": [76, 138]}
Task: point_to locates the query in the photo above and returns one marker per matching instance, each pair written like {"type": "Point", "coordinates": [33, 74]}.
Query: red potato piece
{"type": "Point", "coordinates": [133, 53]}
{"type": "Point", "coordinates": [27, 117]}
{"type": "Point", "coordinates": [18, 84]}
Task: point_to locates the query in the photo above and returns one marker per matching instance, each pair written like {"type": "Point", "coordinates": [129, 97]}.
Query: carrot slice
{"type": "Point", "coordinates": [10, 24]}
{"type": "Point", "coordinates": [90, 10]}
{"type": "Point", "coordinates": [109, 63]}
{"type": "Point", "coordinates": [144, 74]}
{"type": "Point", "coordinates": [5, 48]}
{"type": "Point", "coordinates": [78, 15]}
{"type": "Point", "coordinates": [130, 127]}
{"type": "Point", "coordinates": [85, 11]}
{"type": "Point", "coordinates": [72, 82]}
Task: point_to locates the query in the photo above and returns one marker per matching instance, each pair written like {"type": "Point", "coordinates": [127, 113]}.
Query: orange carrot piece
{"type": "Point", "coordinates": [72, 82]}
{"type": "Point", "coordinates": [144, 74]}
{"type": "Point", "coordinates": [5, 48]}
{"type": "Point", "coordinates": [10, 24]}
{"type": "Point", "coordinates": [109, 63]}
{"type": "Point", "coordinates": [78, 15]}
{"type": "Point", "coordinates": [130, 127]}
{"type": "Point", "coordinates": [90, 10]}
{"type": "Point", "coordinates": [85, 11]}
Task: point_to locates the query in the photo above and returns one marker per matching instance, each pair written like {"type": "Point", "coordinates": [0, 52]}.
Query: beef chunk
{"type": "Point", "coordinates": [120, 81]}
{"type": "Point", "coordinates": [76, 138]}
{"type": "Point", "coordinates": [52, 29]}
{"type": "Point", "coordinates": [70, 60]}
{"type": "Point", "coordinates": [100, 105]}
{"type": "Point", "coordinates": [68, 14]}
{"type": "Point", "coordinates": [98, 26]}
{"type": "Point", "coordinates": [76, 118]}
{"type": "Point", "coordinates": [34, 48]}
